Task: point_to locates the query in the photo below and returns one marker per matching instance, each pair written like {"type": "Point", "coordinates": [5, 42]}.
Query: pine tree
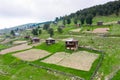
{"type": "Point", "coordinates": [89, 19]}
{"type": "Point", "coordinates": [51, 32]}
{"type": "Point", "coordinates": [12, 33]}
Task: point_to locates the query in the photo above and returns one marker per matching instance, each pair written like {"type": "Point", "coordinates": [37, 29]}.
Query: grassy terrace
{"type": "Point", "coordinates": [12, 68]}
{"type": "Point", "coordinates": [117, 76]}
{"type": "Point", "coordinates": [59, 47]}
{"type": "Point", "coordinates": [2, 46]}
{"type": "Point", "coordinates": [108, 44]}
{"type": "Point", "coordinates": [15, 69]}
{"type": "Point", "coordinates": [106, 18]}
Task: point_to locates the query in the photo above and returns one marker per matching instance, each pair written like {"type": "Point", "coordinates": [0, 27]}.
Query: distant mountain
{"type": "Point", "coordinates": [24, 26]}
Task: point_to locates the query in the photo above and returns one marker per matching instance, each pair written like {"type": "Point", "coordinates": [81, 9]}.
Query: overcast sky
{"type": "Point", "coordinates": [17, 12]}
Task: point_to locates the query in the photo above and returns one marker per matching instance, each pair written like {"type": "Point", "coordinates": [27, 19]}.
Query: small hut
{"type": "Point", "coordinates": [118, 22]}
{"type": "Point", "coordinates": [62, 26]}
{"type": "Point", "coordinates": [78, 24]}
{"type": "Point", "coordinates": [27, 37]}
{"type": "Point", "coordinates": [50, 41]}
{"type": "Point", "coordinates": [100, 23]}
{"type": "Point", "coordinates": [35, 40]}
{"type": "Point", "coordinates": [71, 44]}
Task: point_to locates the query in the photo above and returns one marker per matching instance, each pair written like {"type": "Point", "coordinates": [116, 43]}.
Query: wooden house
{"type": "Point", "coordinates": [62, 26]}
{"type": "Point", "coordinates": [71, 44]}
{"type": "Point", "coordinates": [35, 40]}
{"type": "Point", "coordinates": [100, 23]}
{"type": "Point", "coordinates": [78, 24]}
{"type": "Point", "coordinates": [118, 22]}
{"type": "Point", "coordinates": [27, 37]}
{"type": "Point", "coordinates": [50, 41]}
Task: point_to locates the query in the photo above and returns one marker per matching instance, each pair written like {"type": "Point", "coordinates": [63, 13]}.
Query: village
{"type": "Point", "coordinates": [70, 53]}
{"type": "Point", "coordinates": [60, 40]}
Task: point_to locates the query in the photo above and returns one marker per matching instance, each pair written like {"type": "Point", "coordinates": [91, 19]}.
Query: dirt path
{"type": "Point", "coordinates": [19, 42]}
{"type": "Point", "coordinates": [76, 30]}
{"type": "Point", "coordinates": [15, 48]}
{"type": "Point", "coordinates": [101, 30]}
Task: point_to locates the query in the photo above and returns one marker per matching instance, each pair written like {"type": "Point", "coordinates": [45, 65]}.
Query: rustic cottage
{"type": "Point", "coordinates": [71, 44]}
{"type": "Point", "coordinates": [100, 23]}
{"type": "Point", "coordinates": [50, 41]}
{"type": "Point", "coordinates": [118, 22]}
{"type": "Point", "coordinates": [35, 40]}
{"type": "Point", "coordinates": [27, 37]}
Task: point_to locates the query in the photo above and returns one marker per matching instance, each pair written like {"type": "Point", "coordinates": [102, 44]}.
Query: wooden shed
{"type": "Point", "coordinates": [118, 22]}
{"type": "Point", "coordinates": [100, 23]}
{"type": "Point", "coordinates": [78, 24]}
{"type": "Point", "coordinates": [50, 41]}
{"type": "Point", "coordinates": [27, 37]}
{"type": "Point", "coordinates": [62, 26]}
{"type": "Point", "coordinates": [35, 40]}
{"type": "Point", "coordinates": [71, 44]}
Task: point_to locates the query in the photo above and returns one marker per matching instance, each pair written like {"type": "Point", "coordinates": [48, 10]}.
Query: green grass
{"type": "Point", "coordinates": [57, 47]}
{"type": "Point", "coordinates": [110, 45]}
{"type": "Point", "coordinates": [117, 76]}
{"type": "Point", "coordinates": [115, 30]}
{"type": "Point", "coordinates": [2, 46]}
{"type": "Point", "coordinates": [92, 27]}
{"type": "Point", "coordinates": [15, 69]}
{"type": "Point", "coordinates": [80, 73]}
{"type": "Point", "coordinates": [106, 18]}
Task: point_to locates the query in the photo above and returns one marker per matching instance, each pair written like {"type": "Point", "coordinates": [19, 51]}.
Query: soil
{"type": "Point", "coordinates": [81, 60]}
{"type": "Point", "coordinates": [101, 30]}
{"type": "Point", "coordinates": [15, 48]}
{"type": "Point", "coordinates": [31, 55]}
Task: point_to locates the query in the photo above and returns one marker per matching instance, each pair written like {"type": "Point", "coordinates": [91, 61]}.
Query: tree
{"type": "Point", "coordinates": [89, 19]}
{"type": "Point", "coordinates": [117, 12]}
{"type": "Point", "coordinates": [59, 30]}
{"type": "Point", "coordinates": [46, 26]}
{"type": "Point", "coordinates": [40, 31]}
{"type": "Point", "coordinates": [64, 22]}
{"type": "Point", "coordinates": [82, 19]}
{"type": "Point", "coordinates": [56, 19]}
{"type": "Point", "coordinates": [68, 20]}
{"type": "Point", "coordinates": [12, 33]}
{"type": "Point", "coordinates": [38, 26]}
{"type": "Point", "coordinates": [75, 21]}
{"type": "Point", "coordinates": [51, 32]}
{"type": "Point", "coordinates": [35, 31]}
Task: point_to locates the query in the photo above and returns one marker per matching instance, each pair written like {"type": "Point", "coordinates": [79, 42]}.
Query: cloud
{"type": "Point", "coordinates": [40, 10]}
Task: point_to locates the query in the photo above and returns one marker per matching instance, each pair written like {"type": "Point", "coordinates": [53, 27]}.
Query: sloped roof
{"type": "Point", "coordinates": [71, 39]}
{"type": "Point", "coordinates": [50, 38]}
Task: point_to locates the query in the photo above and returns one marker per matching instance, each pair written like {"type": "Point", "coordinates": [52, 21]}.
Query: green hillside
{"type": "Point", "coordinates": [80, 26]}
